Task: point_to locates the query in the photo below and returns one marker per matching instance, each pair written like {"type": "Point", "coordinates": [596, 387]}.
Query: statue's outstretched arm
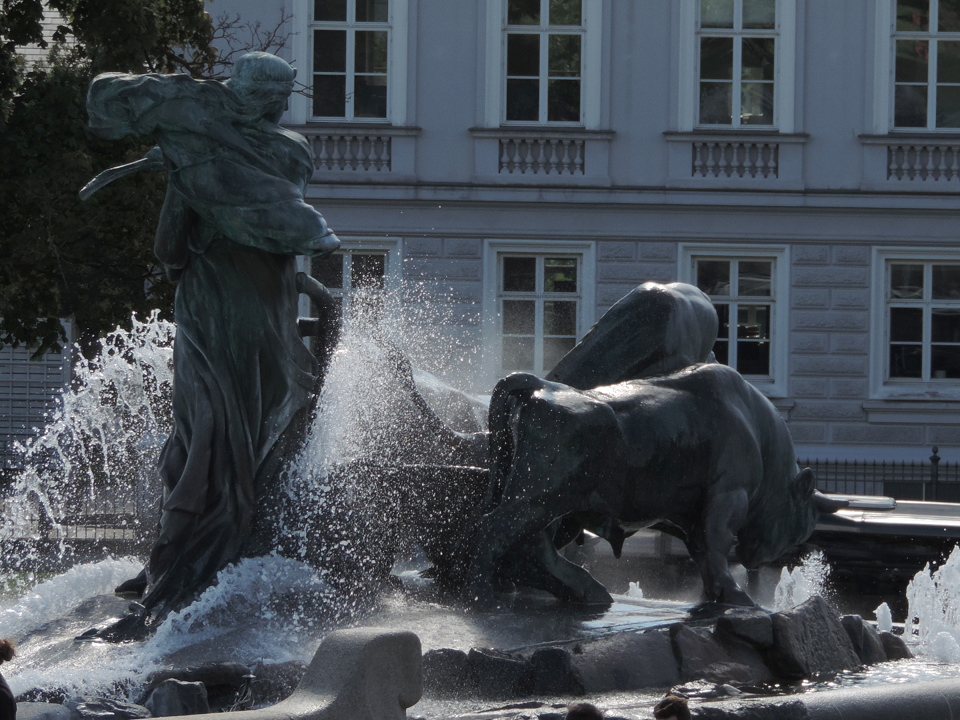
{"type": "Point", "coordinates": [153, 160]}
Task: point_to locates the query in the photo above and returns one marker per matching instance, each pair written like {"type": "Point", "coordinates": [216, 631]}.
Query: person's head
{"type": "Point", "coordinates": [263, 82]}
{"type": "Point", "coordinates": [6, 651]}
{"type": "Point", "coordinates": [584, 711]}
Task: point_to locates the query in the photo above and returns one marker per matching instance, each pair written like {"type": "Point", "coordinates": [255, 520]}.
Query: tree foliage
{"type": "Point", "coordinates": [88, 261]}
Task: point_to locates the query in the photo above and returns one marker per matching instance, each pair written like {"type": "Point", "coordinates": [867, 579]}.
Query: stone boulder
{"type": "Point", "coordinates": [552, 673]}
{"type": "Point", "coordinates": [865, 639]}
{"type": "Point", "coordinates": [495, 674]}
{"type": "Point", "coordinates": [809, 640]}
{"type": "Point", "coordinates": [626, 661]}
{"type": "Point", "coordinates": [701, 654]}
{"type": "Point", "coordinates": [751, 625]}
{"type": "Point", "coordinates": [445, 672]}
{"type": "Point", "coordinates": [176, 697]}
{"type": "Point", "coordinates": [97, 708]}
{"type": "Point", "coordinates": [42, 711]}
{"type": "Point", "coordinates": [894, 647]}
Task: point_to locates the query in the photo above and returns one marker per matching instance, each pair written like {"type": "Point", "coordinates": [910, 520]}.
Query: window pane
{"type": "Point", "coordinates": [523, 55]}
{"type": "Point", "coordinates": [906, 361]}
{"type": "Point", "coordinates": [913, 14]}
{"type": "Point", "coordinates": [371, 52]}
{"type": "Point", "coordinates": [330, 51]}
{"type": "Point", "coordinates": [948, 106]}
{"type": "Point", "coordinates": [946, 282]}
{"type": "Point", "coordinates": [755, 278]}
{"type": "Point", "coordinates": [367, 271]}
{"type": "Point", "coordinates": [372, 11]}
{"type": "Point", "coordinates": [329, 95]}
{"type": "Point", "coordinates": [906, 324]}
{"type": "Point", "coordinates": [716, 13]}
{"type": "Point", "coordinates": [912, 59]}
{"type": "Point", "coordinates": [948, 62]}
{"type": "Point", "coordinates": [328, 270]}
{"type": "Point", "coordinates": [519, 274]}
{"type": "Point", "coordinates": [716, 58]}
{"type": "Point", "coordinates": [723, 315]}
{"type": "Point", "coordinates": [753, 358]}
{"type": "Point", "coordinates": [949, 16]}
{"type": "Point", "coordinates": [370, 96]}
{"type": "Point", "coordinates": [560, 275]}
{"type": "Point", "coordinates": [554, 349]}
{"type": "Point", "coordinates": [566, 12]}
{"type": "Point", "coordinates": [946, 325]}
{"type": "Point", "coordinates": [759, 13]}
{"type": "Point", "coordinates": [910, 106]}
{"type": "Point", "coordinates": [563, 101]}
{"type": "Point", "coordinates": [564, 54]}
{"type": "Point", "coordinates": [523, 12]}
{"type": "Point", "coordinates": [944, 361]}
{"type": "Point", "coordinates": [560, 318]}
{"type": "Point", "coordinates": [906, 281]}
{"type": "Point", "coordinates": [721, 351]}
{"type": "Point", "coordinates": [758, 54]}
{"type": "Point", "coordinates": [518, 317]}
{"type": "Point", "coordinates": [523, 100]}
{"type": "Point", "coordinates": [713, 276]}
{"type": "Point", "coordinates": [756, 103]}
{"type": "Point", "coordinates": [716, 103]}
{"type": "Point", "coordinates": [517, 354]}
{"type": "Point", "coordinates": [753, 322]}
{"type": "Point", "coordinates": [330, 10]}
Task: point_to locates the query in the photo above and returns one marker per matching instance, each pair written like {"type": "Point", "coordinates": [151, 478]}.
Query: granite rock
{"type": "Point", "coordinates": [552, 673]}
{"type": "Point", "coordinates": [865, 639]}
{"type": "Point", "coordinates": [445, 672]}
{"type": "Point", "coordinates": [626, 661]}
{"type": "Point", "coordinates": [177, 697]}
{"type": "Point", "coordinates": [809, 640]}
{"type": "Point", "coordinates": [894, 647]}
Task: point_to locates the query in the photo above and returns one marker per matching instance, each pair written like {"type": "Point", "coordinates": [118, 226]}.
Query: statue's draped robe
{"type": "Point", "coordinates": [232, 222]}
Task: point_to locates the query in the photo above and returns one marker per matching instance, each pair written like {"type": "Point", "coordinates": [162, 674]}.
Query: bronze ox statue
{"type": "Point", "coordinates": [698, 452]}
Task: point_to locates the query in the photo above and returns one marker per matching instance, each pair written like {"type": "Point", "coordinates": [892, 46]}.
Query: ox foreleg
{"type": "Point", "coordinates": [711, 541]}
{"type": "Point", "coordinates": [498, 531]}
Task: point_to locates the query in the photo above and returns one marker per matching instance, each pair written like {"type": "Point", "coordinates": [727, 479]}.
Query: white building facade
{"type": "Point", "coordinates": [531, 161]}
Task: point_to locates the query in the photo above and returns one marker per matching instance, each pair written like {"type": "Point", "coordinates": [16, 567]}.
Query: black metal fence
{"type": "Point", "coordinates": [932, 479]}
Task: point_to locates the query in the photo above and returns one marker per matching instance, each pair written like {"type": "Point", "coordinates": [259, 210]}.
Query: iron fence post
{"type": "Point", "coordinates": [934, 474]}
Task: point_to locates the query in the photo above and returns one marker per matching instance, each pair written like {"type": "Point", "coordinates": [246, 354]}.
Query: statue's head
{"type": "Point", "coordinates": [263, 82]}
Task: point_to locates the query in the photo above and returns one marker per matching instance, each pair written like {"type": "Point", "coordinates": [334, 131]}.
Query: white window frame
{"type": "Point", "coordinates": [885, 65]}
{"type": "Point", "coordinates": [493, 250]}
{"type": "Point", "coordinates": [495, 68]}
{"type": "Point", "coordinates": [398, 45]}
{"type": "Point", "coordinates": [392, 272]}
{"type": "Point", "coordinates": [902, 388]}
{"type": "Point", "coordinates": [785, 71]}
{"type": "Point", "coordinates": [777, 384]}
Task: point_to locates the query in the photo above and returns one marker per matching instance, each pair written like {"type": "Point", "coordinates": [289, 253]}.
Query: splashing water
{"type": "Point", "coordinates": [97, 454]}
{"type": "Point", "coordinates": [809, 578]}
{"type": "Point", "coordinates": [933, 598]}
{"type": "Point", "coordinates": [884, 618]}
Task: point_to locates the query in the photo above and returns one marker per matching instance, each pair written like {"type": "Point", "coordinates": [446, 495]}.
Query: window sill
{"type": "Point", "coordinates": [542, 131]}
{"type": "Point", "coordinates": [728, 134]}
{"type": "Point", "coordinates": [361, 150]}
{"type": "Point", "coordinates": [913, 411]}
{"type": "Point", "coordinates": [928, 159]}
{"type": "Point", "coordinates": [312, 127]}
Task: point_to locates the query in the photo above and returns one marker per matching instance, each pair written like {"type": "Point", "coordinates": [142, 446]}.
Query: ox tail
{"type": "Point", "coordinates": [505, 403]}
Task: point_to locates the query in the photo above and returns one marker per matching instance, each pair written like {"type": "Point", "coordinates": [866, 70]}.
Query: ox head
{"type": "Point", "coordinates": [785, 521]}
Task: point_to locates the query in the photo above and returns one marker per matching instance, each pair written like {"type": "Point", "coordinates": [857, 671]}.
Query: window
{"type": "Point", "coordinates": [539, 306]}
{"type": "Point", "coordinates": [922, 321]}
{"type": "Point", "coordinates": [351, 46]}
{"type": "Point", "coordinates": [736, 64]}
{"type": "Point", "coordinates": [543, 63]}
{"type": "Point", "coordinates": [747, 287]}
{"type": "Point", "coordinates": [926, 41]}
{"type": "Point", "coordinates": [544, 67]}
{"type": "Point", "coordinates": [737, 50]}
{"type": "Point", "coordinates": [538, 302]}
{"type": "Point", "coordinates": [359, 274]}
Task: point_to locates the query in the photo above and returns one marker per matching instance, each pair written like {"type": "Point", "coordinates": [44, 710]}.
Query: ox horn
{"type": "Point", "coordinates": [826, 504]}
